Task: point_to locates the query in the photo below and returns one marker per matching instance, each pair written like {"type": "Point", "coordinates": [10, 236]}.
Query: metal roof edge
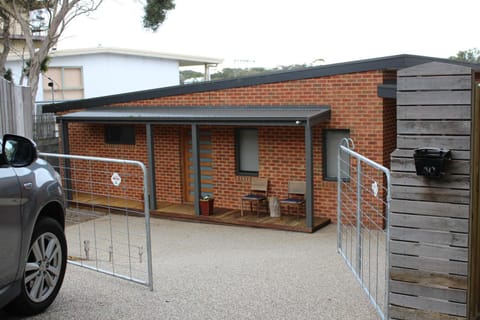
{"type": "Point", "coordinates": [384, 63]}
{"type": "Point", "coordinates": [290, 115]}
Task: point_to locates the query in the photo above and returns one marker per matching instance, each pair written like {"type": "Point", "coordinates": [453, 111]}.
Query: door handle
{"type": "Point", "coordinates": [28, 185]}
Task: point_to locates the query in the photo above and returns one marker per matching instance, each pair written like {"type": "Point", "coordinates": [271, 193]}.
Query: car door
{"type": "Point", "coordinates": [10, 224]}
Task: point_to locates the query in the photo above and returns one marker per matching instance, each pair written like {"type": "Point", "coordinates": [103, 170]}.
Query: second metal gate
{"type": "Point", "coordinates": [363, 216]}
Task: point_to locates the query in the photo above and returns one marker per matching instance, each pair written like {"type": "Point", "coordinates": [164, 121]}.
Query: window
{"type": "Point", "coordinates": [247, 151]}
{"type": "Point", "coordinates": [63, 83]}
{"type": "Point", "coordinates": [331, 140]}
{"type": "Point", "coordinates": [120, 134]}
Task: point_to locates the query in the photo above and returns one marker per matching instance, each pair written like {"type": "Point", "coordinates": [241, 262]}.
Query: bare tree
{"type": "Point", "coordinates": [58, 14]}
{"type": "Point", "coordinates": [6, 42]}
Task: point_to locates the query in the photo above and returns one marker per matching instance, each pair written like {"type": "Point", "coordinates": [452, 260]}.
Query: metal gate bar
{"type": "Point", "coordinates": [363, 210]}
{"type": "Point", "coordinates": [104, 232]}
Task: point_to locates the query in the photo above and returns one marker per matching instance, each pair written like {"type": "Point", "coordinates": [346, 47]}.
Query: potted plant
{"type": "Point", "coordinates": [206, 205]}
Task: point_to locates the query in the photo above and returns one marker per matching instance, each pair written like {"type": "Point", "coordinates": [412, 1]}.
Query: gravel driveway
{"type": "Point", "coordinates": [206, 271]}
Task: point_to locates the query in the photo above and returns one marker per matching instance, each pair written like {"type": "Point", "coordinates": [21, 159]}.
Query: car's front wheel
{"type": "Point", "coordinates": [44, 269]}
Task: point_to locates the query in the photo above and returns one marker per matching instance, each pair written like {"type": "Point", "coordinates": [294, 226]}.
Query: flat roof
{"type": "Point", "coordinates": [183, 59]}
{"type": "Point", "coordinates": [227, 115]}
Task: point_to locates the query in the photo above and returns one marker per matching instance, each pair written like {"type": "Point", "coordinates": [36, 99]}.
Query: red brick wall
{"type": "Point", "coordinates": [354, 103]}
{"type": "Point", "coordinates": [168, 163]}
{"type": "Point", "coordinates": [93, 177]}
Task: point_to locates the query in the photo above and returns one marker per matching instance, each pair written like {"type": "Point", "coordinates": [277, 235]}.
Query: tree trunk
{"type": "Point", "coordinates": [6, 44]}
{"type": "Point", "coordinates": [61, 13]}
{"type": "Point", "coordinates": [33, 78]}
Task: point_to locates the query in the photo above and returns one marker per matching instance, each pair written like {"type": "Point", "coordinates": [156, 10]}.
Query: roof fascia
{"type": "Point", "coordinates": [322, 114]}
{"type": "Point", "coordinates": [278, 123]}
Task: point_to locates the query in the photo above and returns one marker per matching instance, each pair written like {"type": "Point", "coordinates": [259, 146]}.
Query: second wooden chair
{"type": "Point", "coordinates": [296, 197]}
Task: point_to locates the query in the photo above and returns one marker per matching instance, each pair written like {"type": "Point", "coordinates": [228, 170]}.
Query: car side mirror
{"type": "Point", "coordinates": [18, 151]}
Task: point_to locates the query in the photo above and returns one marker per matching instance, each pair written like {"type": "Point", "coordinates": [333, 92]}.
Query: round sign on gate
{"type": "Point", "coordinates": [116, 179]}
{"type": "Point", "coordinates": [375, 188]}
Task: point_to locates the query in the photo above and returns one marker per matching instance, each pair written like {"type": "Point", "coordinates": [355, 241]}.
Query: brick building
{"type": "Point", "coordinates": [282, 126]}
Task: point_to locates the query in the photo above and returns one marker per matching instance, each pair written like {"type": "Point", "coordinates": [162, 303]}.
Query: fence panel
{"type": "Point", "coordinates": [108, 218]}
{"type": "Point", "coordinates": [363, 217]}
{"type": "Point", "coordinates": [16, 109]}
{"type": "Point", "coordinates": [44, 126]}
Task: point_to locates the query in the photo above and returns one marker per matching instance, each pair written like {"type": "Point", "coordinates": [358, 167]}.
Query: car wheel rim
{"type": "Point", "coordinates": [43, 268]}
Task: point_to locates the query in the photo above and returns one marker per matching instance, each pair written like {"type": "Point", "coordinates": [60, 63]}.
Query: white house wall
{"type": "Point", "coordinates": [107, 74]}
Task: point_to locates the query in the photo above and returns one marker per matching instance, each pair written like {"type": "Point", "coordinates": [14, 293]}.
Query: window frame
{"type": "Point", "coordinates": [126, 138]}
{"type": "Point", "coordinates": [238, 168]}
{"type": "Point", "coordinates": [60, 89]}
{"type": "Point", "coordinates": [326, 177]}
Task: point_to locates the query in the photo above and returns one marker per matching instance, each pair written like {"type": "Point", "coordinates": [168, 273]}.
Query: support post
{"type": "Point", "coordinates": [309, 207]}
{"type": "Point", "coordinates": [151, 167]}
{"type": "Point", "coordinates": [196, 168]}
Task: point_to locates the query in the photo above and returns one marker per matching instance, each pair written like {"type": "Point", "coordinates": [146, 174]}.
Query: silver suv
{"type": "Point", "coordinates": [33, 249]}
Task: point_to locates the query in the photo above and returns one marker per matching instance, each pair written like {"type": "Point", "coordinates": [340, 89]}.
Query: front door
{"type": "Point", "coordinates": [206, 163]}
{"type": "Point", "coordinates": [474, 272]}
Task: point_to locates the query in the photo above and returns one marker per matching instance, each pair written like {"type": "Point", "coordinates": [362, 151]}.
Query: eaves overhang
{"type": "Point", "coordinates": [227, 115]}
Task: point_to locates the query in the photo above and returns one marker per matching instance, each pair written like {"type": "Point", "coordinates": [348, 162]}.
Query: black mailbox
{"type": "Point", "coordinates": [430, 162]}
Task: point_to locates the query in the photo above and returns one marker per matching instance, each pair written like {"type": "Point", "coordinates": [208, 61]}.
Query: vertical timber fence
{"type": "Point", "coordinates": [107, 222]}
{"type": "Point", "coordinates": [15, 109]}
{"type": "Point", "coordinates": [363, 218]}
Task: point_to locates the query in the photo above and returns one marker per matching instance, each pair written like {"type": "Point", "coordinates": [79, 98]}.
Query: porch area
{"type": "Point", "coordinates": [186, 212]}
{"type": "Point", "coordinates": [224, 216]}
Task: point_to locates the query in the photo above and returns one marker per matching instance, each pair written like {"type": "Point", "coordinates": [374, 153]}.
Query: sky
{"type": "Point", "coordinates": [271, 33]}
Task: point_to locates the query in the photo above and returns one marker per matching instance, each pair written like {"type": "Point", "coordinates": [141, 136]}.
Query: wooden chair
{"type": "Point", "coordinates": [296, 197]}
{"type": "Point", "coordinates": [258, 195]}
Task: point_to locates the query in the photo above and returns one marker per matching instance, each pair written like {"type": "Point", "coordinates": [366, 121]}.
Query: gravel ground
{"type": "Point", "coordinates": [217, 272]}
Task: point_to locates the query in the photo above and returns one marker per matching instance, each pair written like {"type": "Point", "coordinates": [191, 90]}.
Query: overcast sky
{"type": "Point", "coordinates": [268, 33]}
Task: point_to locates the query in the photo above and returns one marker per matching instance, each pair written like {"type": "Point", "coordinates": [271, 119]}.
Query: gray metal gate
{"type": "Point", "coordinates": [108, 217]}
{"type": "Point", "coordinates": [363, 222]}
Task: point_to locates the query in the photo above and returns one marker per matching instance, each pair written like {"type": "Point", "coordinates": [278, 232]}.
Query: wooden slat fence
{"type": "Point", "coordinates": [16, 109]}
{"type": "Point", "coordinates": [429, 220]}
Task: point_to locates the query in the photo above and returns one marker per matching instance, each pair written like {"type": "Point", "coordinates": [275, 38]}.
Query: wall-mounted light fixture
{"type": "Point", "coordinates": [50, 84]}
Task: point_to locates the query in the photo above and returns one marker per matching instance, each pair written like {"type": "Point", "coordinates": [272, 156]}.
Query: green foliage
{"type": "Point", "coordinates": [189, 74]}
{"type": "Point", "coordinates": [8, 75]}
{"type": "Point", "coordinates": [43, 65]}
{"type": "Point", "coordinates": [291, 67]}
{"type": "Point", "coordinates": [470, 55]}
{"type": "Point", "coordinates": [229, 73]}
{"type": "Point", "coordinates": [156, 12]}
